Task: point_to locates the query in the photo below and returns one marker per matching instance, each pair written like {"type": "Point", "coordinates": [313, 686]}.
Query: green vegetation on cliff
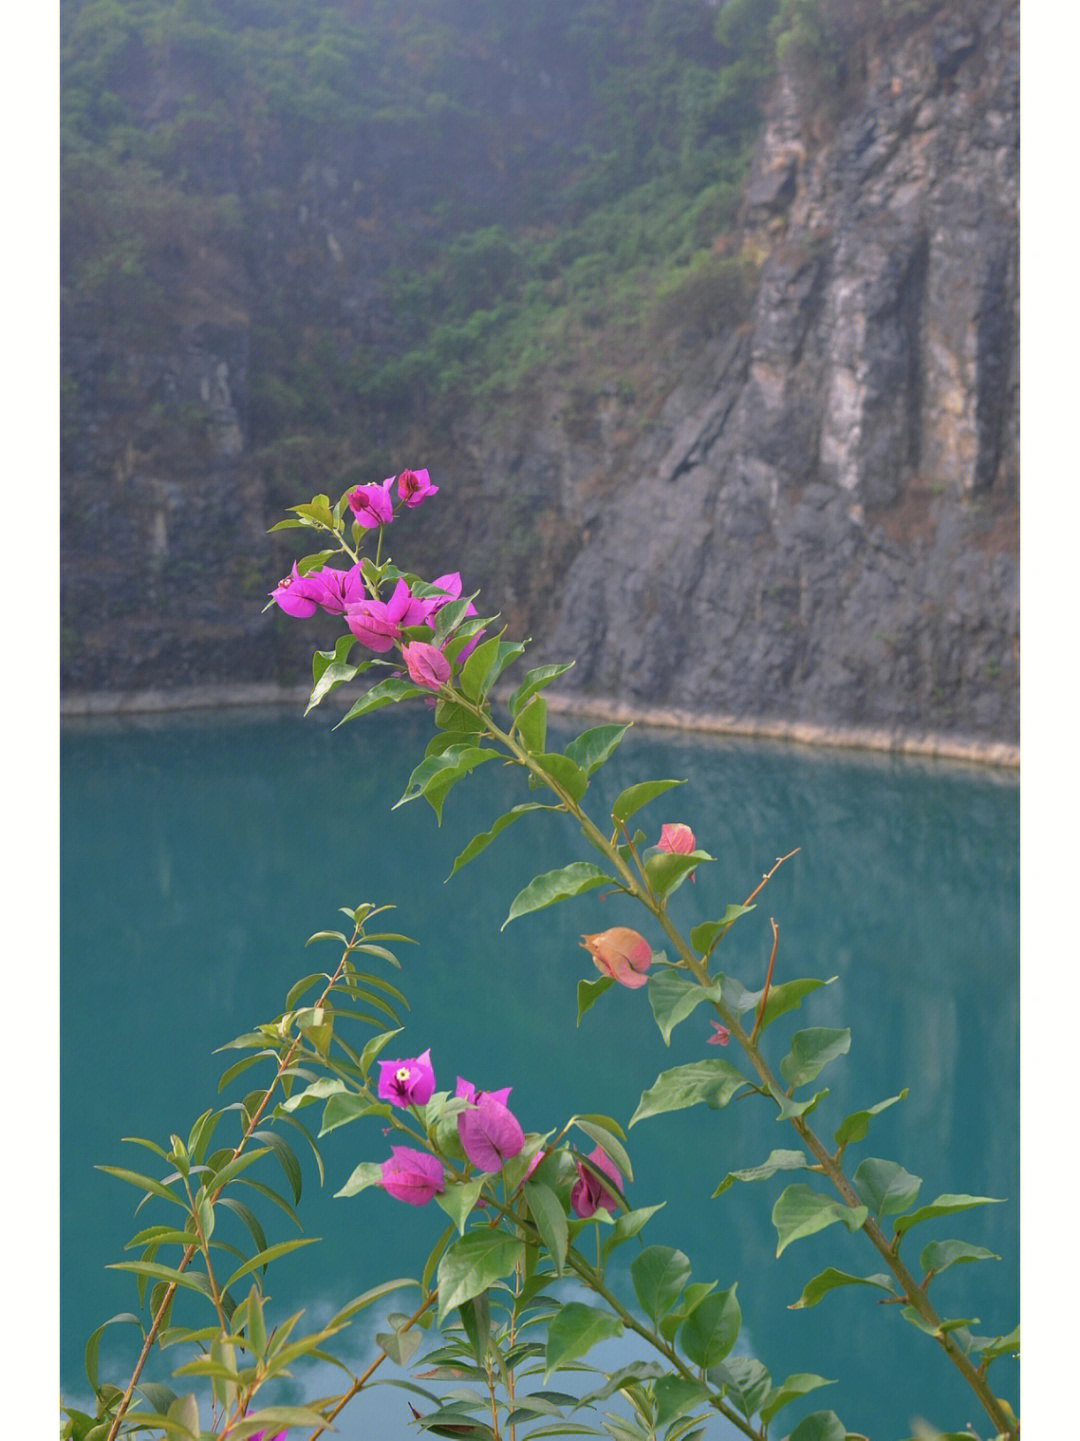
{"type": "Point", "coordinates": [402, 206]}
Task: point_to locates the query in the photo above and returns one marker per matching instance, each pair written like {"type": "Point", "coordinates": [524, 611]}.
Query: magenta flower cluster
{"type": "Point", "coordinates": [378, 624]}
{"type": "Point", "coordinates": [489, 1132]}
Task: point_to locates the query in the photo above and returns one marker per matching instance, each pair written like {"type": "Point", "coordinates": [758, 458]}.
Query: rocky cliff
{"type": "Point", "coordinates": [809, 513]}
{"type": "Point", "coordinates": [821, 522]}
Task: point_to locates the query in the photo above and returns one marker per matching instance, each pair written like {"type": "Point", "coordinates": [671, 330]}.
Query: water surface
{"type": "Point", "coordinates": [199, 853]}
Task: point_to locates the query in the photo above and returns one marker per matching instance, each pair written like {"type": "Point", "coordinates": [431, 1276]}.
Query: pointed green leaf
{"type": "Point", "coordinates": [434, 777]}
{"type": "Point", "coordinates": [676, 1395]}
{"type": "Point", "coordinates": [602, 1130]}
{"type": "Point", "coordinates": [386, 692]}
{"type": "Point", "coordinates": [476, 1319]}
{"type": "Point", "coordinates": [811, 1051]}
{"type": "Point", "coordinates": [659, 1274]}
{"type": "Point", "coordinates": [789, 996]}
{"type": "Point", "coordinates": [789, 1109]}
{"type": "Point", "coordinates": [473, 1263]}
{"type": "Point", "coordinates": [373, 1047]}
{"type": "Point", "coordinates": [589, 992]}
{"type": "Point", "coordinates": [400, 1346]}
{"type": "Point", "coordinates": [482, 669]}
{"type": "Point", "coordinates": [575, 1330]}
{"type": "Point", "coordinates": [91, 1356]}
{"type": "Point", "coordinates": [634, 797]}
{"type": "Point", "coordinates": [673, 996]}
{"type": "Point", "coordinates": [855, 1127]}
{"type": "Point", "coordinates": [790, 1390]}
{"type": "Point", "coordinates": [819, 1426]}
{"type": "Point", "coordinates": [368, 1173]}
{"type": "Point", "coordinates": [777, 1161]}
{"type": "Point", "coordinates": [533, 681]}
{"type": "Point", "coordinates": [800, 1211]}
{"type": "Point", "coordinates": [944, 1206]}
{"type": "Point", "coordinates": [940, 1255]}
{"type": "Point", "coordinates": [711, 1329]}
{"type": "Point", "coordinates": [667, 870]}
{"type": "Point", "coordinates": [830, 1279]}
{"type": "Point", "coordinates": [990, 1348]}
{"type": "Point", "coordinates": [286, 1156]}
{"type": "Point", "coordinates": [628, 1224]}
{"type": "Point", "coordinates": [550, 1220]}
{"type": "Point", "coordinates": [708, 934]}
{"type": "Point", "coordinates": [145, 1183]}
{"type": "Point", "coordinates": [566, 774]}
{"type": "Point", "coordinates": [885, 1187]}
{"type": "Point", "coordinates": [745, 1381]}
{"type": "Point", "coordinates": [270, 1254]}
{"type": "Point", "coordinates": [554, 886]}
{"type": "Point", "coordinates": [190, 1280]}
{"type": "Point", "coordinates": [459, 1199]}
{"type": "Point", "coordinates": [592, 747]}
{"type": "Point", "coordinates": [333, 671]}
{"type": "Point", "coordinates": [532, 725]}
{"type": "Point", "coordinates": [713, 1082]}
{"type": "Point", "coordinates": [484, 839]}
{"type": "Point", "coordinates": [345, 1106]}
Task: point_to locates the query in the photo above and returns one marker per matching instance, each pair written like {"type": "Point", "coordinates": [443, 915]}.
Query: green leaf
{"type": "Point", "coordinates": [675, 1395]}
{"type": "Point", "coordinates": [532, 725]}
{"type": "Point", "coordinates": [854, 1127]}
{"type": "Point", "coordinates": [940, 1255]}
{"type": "Point", "coordinates": [789, 996]}
{"type": "Point", "coordinates": [589, 992]}
{"type": "Point", "coordinates": [345, 1106]}
{"type": "Point", "coordinates": [533, 681]}
{"type": "Point", "coordinates": [673, 996]}
{"type": "Point", "coordinates": [331, 669]}
{"type": "Point", "coordinates": [591, 748]}
{"type": "Point", "coordinates": [459, 1199]}
{"type": "Point", "coordinates": [449, 616]}
{"type": "Point", "coordinates": [712, 1328]}
{"type": "Point", "coordinates": [885, 1187]}
{"type": "Point", "coordinates": [484, 839]}
{"type": "Point", "coordinates": [434, 777]}
{"type": "Point", "coordinates": [400, 1346]}
{"type": "Point", "coordinates": [745, 1380]}
{"type": "Point", "coordinates": [811, 1051]}
{"type": "Point", "coordinates": [778, 1161]}
{"type": "Point", "coordinates": [373, 1048]}
{"type": "Point", "coordinates": [691, 1297]}
{"type": "Point", "coordinates": [554, 886]}
{"type": "Point", "coordinates": [91, 1357]}
{"type": "Point", "coordinates": [190, 1280]}
{"type": "Point", "coordinates": [473, 1263]}
{"type": "Point", "coordinates": [800, 1211]}
{"type": "Point", "coordinates": [566, 774]}
{"type": "Point", "coordinates": [990, 1348]}
{"type": "Point", "coordinates": [483, 667]}
{"type": "Point", "coordinates": [659, 1274]}
{"type": "Point", "coordinates": [606, 1133]}
{"type": "Point", "coordinates": [666, 870]}
{"type": "Point", "coordinates": [386, 692]}
{"type": "Point", "coordinates": [368, 1173]}
{"type": "Point", "coordinates": [705, 937]}
{"type": "Point", "coordinates": [574, 1331]}
{"type": "Point", "coordinates": [634, 797]}
{"type": "Point", "coordinates": [713, 1082]}
{"type": "Point", "coordinates": [944, 1206]}
{"type": "Point", "coordinates": [550, 1220]}
{"type": "Point", "coordinates": [476, 1319]}
{"type": "Point", "coordinates": [830, 1279]}
{"type": "Point", "coordinates": [790, 1390]}
{"type": "Point", "coordinates": [145, 1183]}
{"type": "Point", "coordinates": [819, 1426]}
{"type": "Point", "coordinates": [286, 1156]}
{"type": "Point", "coordinates": [789, 1109]}
{"type": "Point", "coordinates": [628, 1224]}
{"type": "Point", "coordinates": [270, 1254]}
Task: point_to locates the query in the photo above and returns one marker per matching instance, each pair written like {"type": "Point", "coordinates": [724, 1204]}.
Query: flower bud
{"type": "Point", "coordinates": [620, 953]}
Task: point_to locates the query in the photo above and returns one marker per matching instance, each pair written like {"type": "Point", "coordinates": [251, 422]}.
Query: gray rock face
{"type": "Point", "coordinates": [822, 524]}
{"type": "Point", "coordinates": [818, 525]}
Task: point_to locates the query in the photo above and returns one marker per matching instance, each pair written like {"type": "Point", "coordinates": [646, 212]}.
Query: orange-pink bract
{"type": "Point", "coordinates": [621, 953]}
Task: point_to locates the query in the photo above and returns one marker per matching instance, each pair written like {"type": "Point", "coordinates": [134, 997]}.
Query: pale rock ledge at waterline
{"type": "Point", "coordinates": [231, 697]}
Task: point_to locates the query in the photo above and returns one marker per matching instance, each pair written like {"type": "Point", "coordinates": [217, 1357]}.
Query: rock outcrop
{"type": "Point", "coordinates": [821, 524]}
{"type": "Point", "coordinates": [818, 523]}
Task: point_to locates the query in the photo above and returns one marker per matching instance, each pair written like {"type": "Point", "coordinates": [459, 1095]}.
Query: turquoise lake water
{"type": "Point", "coordinates": [199, 853]}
